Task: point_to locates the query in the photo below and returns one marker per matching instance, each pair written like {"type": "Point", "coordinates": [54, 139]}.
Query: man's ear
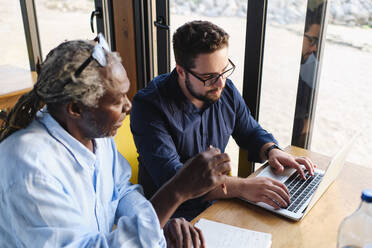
{"type": "Point", "coordinates": [74, 109]}
{"type": "Point", "coordinates": [180, 71]}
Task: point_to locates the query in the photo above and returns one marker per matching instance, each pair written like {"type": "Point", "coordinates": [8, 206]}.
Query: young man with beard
{"type": "Point", "coordinates": [194, 107]}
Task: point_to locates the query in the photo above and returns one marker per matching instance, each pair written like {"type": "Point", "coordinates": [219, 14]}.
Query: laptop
{"type": "Point", "coordinates": [305, 193]}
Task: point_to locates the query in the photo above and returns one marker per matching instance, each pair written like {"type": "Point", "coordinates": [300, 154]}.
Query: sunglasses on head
{"type": "Point", "coordinates": [98, 54]}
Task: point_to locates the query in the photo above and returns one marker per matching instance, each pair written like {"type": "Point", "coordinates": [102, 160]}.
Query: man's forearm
{"type": "Point", "coordinates": [234, 186]}
{"type": "Point", "coordinates": [165, 202]}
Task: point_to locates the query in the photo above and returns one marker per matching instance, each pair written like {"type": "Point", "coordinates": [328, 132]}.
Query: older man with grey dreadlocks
{"type": "Point", "coordinates": [62, 181]}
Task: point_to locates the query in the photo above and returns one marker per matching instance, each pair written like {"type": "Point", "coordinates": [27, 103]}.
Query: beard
{"type": "Point", "coordinates": [202, 97]}
{"type": "Point", "coordinates": [96, 129]}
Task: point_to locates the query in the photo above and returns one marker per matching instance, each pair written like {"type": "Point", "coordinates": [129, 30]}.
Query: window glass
{"type": "Point", "coordinates": [229, 15]}
{"type": "Point", "coordinates": [281, 66]}
{"type": "Point", "coordinates": [63, 20]}
{"type": "Point", "coordinates": [12, 37]}
{"type": "Point", "coordinates": [344, 101]}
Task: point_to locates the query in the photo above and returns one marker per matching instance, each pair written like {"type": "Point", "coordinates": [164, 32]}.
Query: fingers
{"type": "Point", "coordinates": [309, 165]}
{"type": "Point", "coordinates": [281, 159]}
{"type": "Point", "coordinates": [289, 162]}
{"type": "Point", "coordinates": [267, 190]}
{"type": "Point", "coordinates": [196, 239]}
{"type": "Point", "coordinates": [170, 242]}
{"type": "Point", "coordinates": [213, 150]}
{"type": "Point", "coordinates": [277, 192]}
{"type": "Point", "coordinates": [201, 237]}
{"type": "Point", "coordinates": [299, 169]}
{"type": "Point", "coordinates": [282, 189]}
{"type": "Point", "coordinates": [221, 158]}
{"type": "Point", "coordinates": [176, 233]}
{"type": "Point", "coordinates": [270, 202]}
{"type": "Point", "coordinates": [212, 147]}
{"type": "Point", "coordinates": [277, 166]}
{"type": "Point", "coordinates": [180, 233]}
{"type": "Point", "coordinates": [278, 195]}
{"type": "Point", "coordinates": [186, 235]}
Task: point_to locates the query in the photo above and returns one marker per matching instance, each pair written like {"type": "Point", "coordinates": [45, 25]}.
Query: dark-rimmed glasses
{"type": "Point", "coordinates": [98, 54]}
{"type": "Point", "coordinates": [313, 40]}
{"type": "Point", "coordinates": [214, 78]}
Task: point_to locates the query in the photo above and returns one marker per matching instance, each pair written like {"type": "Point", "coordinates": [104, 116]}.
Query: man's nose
{"type": "Point", "coordinates": [220, 82]}
{"type": "Point", "coordinates": [314, 48]}
{"type": "Point", "coordinates": [127, 105]}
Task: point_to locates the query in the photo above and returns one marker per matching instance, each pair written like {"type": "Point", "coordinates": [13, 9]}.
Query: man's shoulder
{"type": "Point", "coordinates": [161, 95]}
{"type": "Point", "coordinates": [230, 88]}
{"type": "Point", "coordinates": [21, 152]}
{"type": "Point", "coordinates": [154, 89]}
{"type": "Point", "coordinates": [31, 138]}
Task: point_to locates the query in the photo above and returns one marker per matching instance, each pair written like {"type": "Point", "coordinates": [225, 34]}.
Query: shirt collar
{"type": "Point", "coordinates": [82, 154]}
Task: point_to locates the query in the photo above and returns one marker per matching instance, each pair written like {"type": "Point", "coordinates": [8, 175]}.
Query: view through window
{"type": "Point", "coordinates": [58, 20]}
{"type": "Point", "coordinates": [61, 20]}
{"type": "Point", "coordinates": [12, 36]}
{"type": "Point", "coordinates": [343, 106]}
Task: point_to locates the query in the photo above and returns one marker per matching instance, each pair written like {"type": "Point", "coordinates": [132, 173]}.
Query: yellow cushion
{"type": "Point", "coordinates": [125, 145]}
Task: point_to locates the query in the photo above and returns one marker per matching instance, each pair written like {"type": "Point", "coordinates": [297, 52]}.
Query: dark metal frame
{"type": "Point", "coordinates": [144, 42]}
{"type": "Point", "coordinates": [163, 36]}
{"type": "Point", "coordinates": [105, 21]}
{"type": "Point", "coordinates": [254, 53]}
{"type": "Point", "coordinates": [31, 28]}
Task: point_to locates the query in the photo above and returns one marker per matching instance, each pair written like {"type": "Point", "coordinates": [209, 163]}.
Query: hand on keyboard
{"type": "Point", "coordinates": [279, 159]}
{"type": "Point", "coordinates": [264, 189]}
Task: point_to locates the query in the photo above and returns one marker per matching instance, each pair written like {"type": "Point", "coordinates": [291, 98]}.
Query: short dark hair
{"type": "Point", "coordinates": [197, 37]}
{"type": "Point", "coordinates": [314, 16]}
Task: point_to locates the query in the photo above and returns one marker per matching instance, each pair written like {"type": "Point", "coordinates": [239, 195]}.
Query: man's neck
{"type": "Point", "coordinates": [72, 129]}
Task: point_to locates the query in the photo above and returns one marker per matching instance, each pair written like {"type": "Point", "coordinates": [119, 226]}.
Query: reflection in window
{"type": "Point", "coordinates": [344, 99]}
{"type": "Point", "coordinates": [12, 37]}
{"type": "Point", "coordinates": [63, 20]}
{"type": "Point", "coordinates": [309, 71]}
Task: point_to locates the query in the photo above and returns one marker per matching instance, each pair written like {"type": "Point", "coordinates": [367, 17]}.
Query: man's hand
{"type": "Point", "coordinates": [202, 173]}
{"type": "Point", "coordinates": [180, 233]}
{"type": "Point", "coordinates": [279, 159]}
{"type": "Point", "coordinates": [197, 176]}
{"type": "Point", "coordinates": [267, 190]}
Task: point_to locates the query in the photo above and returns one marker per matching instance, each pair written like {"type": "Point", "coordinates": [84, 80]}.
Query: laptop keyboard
{"type": "Point", "coordinates": [300, 190]}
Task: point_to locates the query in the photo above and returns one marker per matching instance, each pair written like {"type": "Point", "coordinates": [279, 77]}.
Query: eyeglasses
{"type": "Point", "coordinates": [313, 40]}
{"type": "Point", "coordinates": [214, 78]}
{"type": "Point", "coordinates": [98, 54]}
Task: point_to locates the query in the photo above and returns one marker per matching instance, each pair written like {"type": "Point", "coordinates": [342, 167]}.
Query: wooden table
{"type": "Point", "coordinates": [14, 82]}
{"type": "Point", "coordinates": [319, 227]}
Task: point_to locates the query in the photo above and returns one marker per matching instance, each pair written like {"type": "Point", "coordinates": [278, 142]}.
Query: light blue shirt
{"type": "Point", "coordinates": [54, 192]}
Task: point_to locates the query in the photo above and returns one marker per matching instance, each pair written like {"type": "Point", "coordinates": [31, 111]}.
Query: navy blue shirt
{"type": "Point", "coordinates": [168, 130]}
